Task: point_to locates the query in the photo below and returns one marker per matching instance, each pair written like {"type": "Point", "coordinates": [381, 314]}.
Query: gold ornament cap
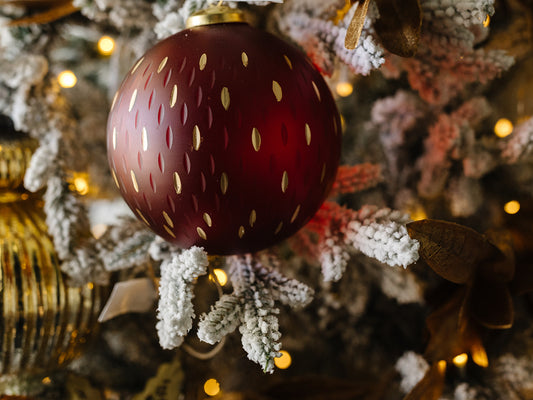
{"type": "Point", "coordinates": [215, 15]}
{"type": "Point", "coordinates": [16, 150]}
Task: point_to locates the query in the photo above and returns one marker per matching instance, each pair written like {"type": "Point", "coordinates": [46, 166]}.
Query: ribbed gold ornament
{"type": "Point", "coordinates": [43, 320]}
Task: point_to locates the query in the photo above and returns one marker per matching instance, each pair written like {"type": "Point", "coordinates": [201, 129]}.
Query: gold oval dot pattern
{"type": "Point", "coordinates": [244, 59]}
{"type": "Point", "coordinates": [114, 138]}
{"type": "Point", "coordinates": [162, 65]}
{"type": "Point", "coordinates": [169, 231]}
{"type": "Point", "coordinates": [224, 98]}
{"type": "Point", "coordinates": [288, 61]}
{"type": "Point", "coordinates": [284, 181]}
{"type": "Point", "coordinates": [134, 181]}
{"type": "Point", "coordinates": [132, 100]}
{"type": "Point", "coordinates": [115, 177]}
{"type": "Point", "coordinates": [201, 233]}
{"type": "Point", "coordinates": [140, 214]}
{"type": "Point", "coordinates": [137, 65]}
{"type": "Point", "coordinates": [144, 139]}
{"type": "Point", "coordinates": [276, 89]}
{"type": "Point", "coordinates": [317, 92]}
{"type": "Point", "coordinates": [224, 183]}
{"type": "Point", "coordinates": [196, 138]}
{"type": "Point", "coordinates": [173, 96]}
{"type": "Point", "coordinates": [256, 139]}
{"type": "Point", "coordinates": [168, 219]}
{"type": "Point", "coordinates": [203, 61]}
{"type": "Point", "coordinates": [241, 231]}
{"type": "Point", "coordinates": [253, 218]}
{"type": "Point", "coordinates": [278, 229]}
{"type": "Point", "coordinates": [177, 183]}
{"type": "Point", "coordinates": [295, 214]}
{"type": "Point", "coordinates": [208, 220]}
{"type": "Point", "coordinates": [307, 134]}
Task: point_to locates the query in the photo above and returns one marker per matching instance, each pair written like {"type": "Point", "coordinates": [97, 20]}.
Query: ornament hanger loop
{"type": "Point", "coordinates": [216, 14]}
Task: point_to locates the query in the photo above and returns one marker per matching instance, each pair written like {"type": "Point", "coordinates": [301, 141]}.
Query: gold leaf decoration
{"type": "Point", "coordinates": [399, 26]}
{"type": "Point", "coordinates": [55, 11]}
{"type": "Point", "coordinates": [356, 25]}
{"type": "Point", "coordinates": [453, 251]}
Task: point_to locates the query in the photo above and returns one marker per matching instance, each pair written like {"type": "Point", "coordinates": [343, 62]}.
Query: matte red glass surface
{"type": "Point", "coordinates": [224, 136]}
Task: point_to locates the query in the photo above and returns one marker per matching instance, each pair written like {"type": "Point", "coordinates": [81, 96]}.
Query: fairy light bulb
{"type": "Point", "coordinates": [67, 79]}
{"type": "Point", "coordinates": [81, 184]}
{"type": "Point", "coordinates": [284, 361]}
{"type": "Point", "coordinates": [344, 89]}
{"type": "Point", "coordinates": [221, 276]}
{"type": "Point", "coordinates": [503, 127]}
{"type": "Point", "coordinates": [106, 45]}
{"type": "Point", "coordinates": [512, 207]}
{"type": "Point", "coordinates": [211, 387]}
{"type": "Point", "coordinates": [460, 360]}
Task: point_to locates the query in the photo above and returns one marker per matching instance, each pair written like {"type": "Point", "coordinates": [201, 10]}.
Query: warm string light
{"type": "Point", "coordinates": [512, 207]}
{"type": "Point", "coordinates": [67, 79]}
{"type": "Point", "coordinates": [503, 127]}
{"type": "Point", "coordinates": [344, 89]}
{"type": "Point", "coordinates": [211, 387]}
{"type": "Point", "coordinates": [221, 276]}
{"type": "Point", "coordinates": [80, 182]}
{"type": "Point", "coordinates": [106, 45]}
{"type": "Point", "coordinates": [284, 361]}
{"type": "Point", "coordinates": [460, 360]}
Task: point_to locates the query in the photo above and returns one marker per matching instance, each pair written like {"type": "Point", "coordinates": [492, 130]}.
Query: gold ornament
{"type": "Point", "coordinates": [43, 320]}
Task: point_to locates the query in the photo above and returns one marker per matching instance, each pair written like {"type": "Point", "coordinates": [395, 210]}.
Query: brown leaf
{"type": "Point", "coordinates": [60, 10]}
{"type": "Point", "coordinates": [431, 385]}
{"type": "Point", "coordinates": [356, 25]}
{"type": "Point", "coordinates": [451, 331]}
{"type": "Point", "coordinates": [453, 251]}
{"type": "Point", "coordinates": [399, 26]}
{"type": "Point", "coordinates": [500, 264]}
{"type": "Point", "coordinates": [490, 303]}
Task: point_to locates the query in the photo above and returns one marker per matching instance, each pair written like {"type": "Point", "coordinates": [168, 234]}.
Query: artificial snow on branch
{"type": "Point", "coordinates": [447, 61]}
{"type": "Point", "coordinates": [377, 233]}
{"type": "Point", "coordinates": [251, 307]}
{"type": "Point", "coordinates": [519, 146]}
{"type": "Point", "coordinates": [175, 312]}
{"type": "Point", "coordinates": [323, 41]}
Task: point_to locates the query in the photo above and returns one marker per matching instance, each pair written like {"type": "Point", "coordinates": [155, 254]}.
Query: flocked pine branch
{"type": "Point", "coordinates": [225, 316]}
{"type": "Point", "coordinates": [354, 178]}
{"type": "Point", "coordinates": [451, 137]}
{"type": "Point", "coordinates": [377, 233]}
{"type": "Point", "coordinates": [519, 146]}
{"type": "Point", "coordinates": [447, 60]}
{"type": "Point", "coordinates": [323, 41]}
{"type": "Point", "coordinates": [251, 307]}
{"type": "Point", "coordinates": [175, 311]}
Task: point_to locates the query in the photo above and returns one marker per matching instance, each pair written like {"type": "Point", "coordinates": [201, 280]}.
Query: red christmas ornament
{"type": "Point", "coordinates": [224, 136]}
